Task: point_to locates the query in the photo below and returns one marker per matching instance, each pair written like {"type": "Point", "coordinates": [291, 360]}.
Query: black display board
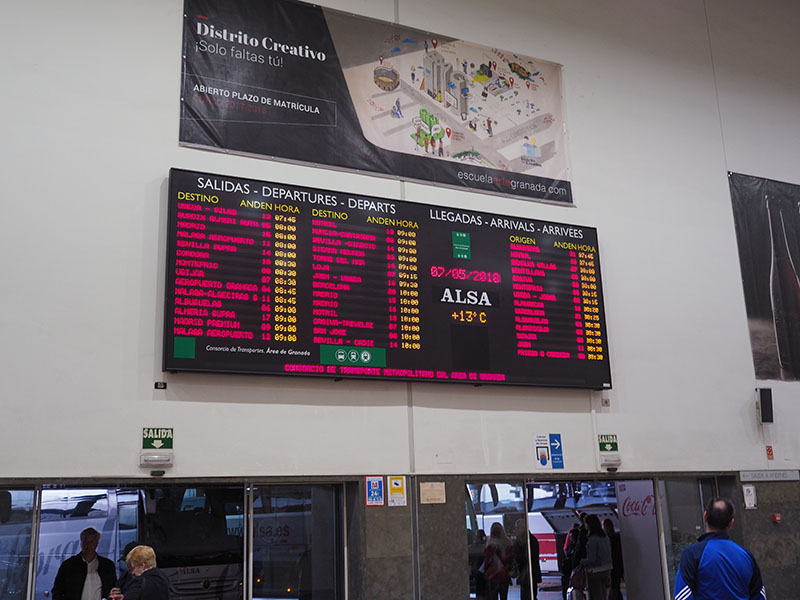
{"type": "Point", "coordinates": [278, 279]}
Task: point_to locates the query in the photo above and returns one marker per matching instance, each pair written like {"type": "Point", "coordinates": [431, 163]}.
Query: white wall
{"type": "Point", "coordinates": [759, 103]}
{"type": "Point", "coordinates": [661, 98]}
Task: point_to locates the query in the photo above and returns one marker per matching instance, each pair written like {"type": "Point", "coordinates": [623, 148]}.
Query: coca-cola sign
{"type": "Point", "coordinates": [644, 507]}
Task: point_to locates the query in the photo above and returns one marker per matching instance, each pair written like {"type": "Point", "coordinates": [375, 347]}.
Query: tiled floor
{"type": "Point", "coordinates": [549, 589]}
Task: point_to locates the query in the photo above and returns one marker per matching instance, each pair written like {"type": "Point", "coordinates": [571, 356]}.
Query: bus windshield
{"type": "Point", "coordinates": [191, 526]}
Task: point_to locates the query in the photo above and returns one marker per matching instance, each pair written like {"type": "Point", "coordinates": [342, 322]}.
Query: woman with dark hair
{"type": "Point", "coordinates": [617, 568]}
{"type": "Point", "coordinates": [598, 558]}
{"type": "Point", "coordinates": [566, 558]}
{"type": "Point", "coordinates": [496, 561]}
{"type": "Point", "coordinates": [583, 534]}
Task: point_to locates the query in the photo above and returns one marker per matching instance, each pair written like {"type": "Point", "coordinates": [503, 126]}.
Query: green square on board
{"type": "Point", "coordinates": [183, 347]}
{"type": "Point", "coordinates": [462, 247]}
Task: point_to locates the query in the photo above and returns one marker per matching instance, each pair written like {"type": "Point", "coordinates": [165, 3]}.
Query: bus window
{"type": "Point", "coordinates": [74, 504]}
{"type": "Point", "coordinates": [188, 527]}
{"type": "Point", "coordinates": [128, 529]}
{"type": "Point", "coordinates": [16, 518]}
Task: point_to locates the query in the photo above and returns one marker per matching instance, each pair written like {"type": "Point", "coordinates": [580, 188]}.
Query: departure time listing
{"type": "Point", "coordinates": [272, 278]}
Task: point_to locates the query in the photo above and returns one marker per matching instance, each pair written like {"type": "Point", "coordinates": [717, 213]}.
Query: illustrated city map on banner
{"type": "Point", "coordinates": [298, 82]}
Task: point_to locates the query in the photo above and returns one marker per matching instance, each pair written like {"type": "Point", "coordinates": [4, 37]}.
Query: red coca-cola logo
{"type": "Point", "coordinates": [639, 508]}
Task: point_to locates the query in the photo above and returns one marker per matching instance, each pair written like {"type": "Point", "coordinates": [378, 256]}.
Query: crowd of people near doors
{"type": "Point", "coordinates": [505, 560]}
{"type": "Point", "coordinates": [590, 562]}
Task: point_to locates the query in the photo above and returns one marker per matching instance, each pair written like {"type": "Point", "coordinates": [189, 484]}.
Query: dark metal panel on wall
{"type": "Point", "coordinates": [442, 543]}
{"type": "Point", "coordinates": [776, 546]}
{"type": "Point", "coordinates": [382, 541]}
{"type": "Point", "coordinates": [727, 487]}
{"type": "Point", "coordinates": [354, 526]}
{"type": "Point", "coordinates": [386, 569]}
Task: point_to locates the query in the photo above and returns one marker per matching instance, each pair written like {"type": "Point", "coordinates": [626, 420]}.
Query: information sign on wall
{"type": "Point", "coordinates": [397, 490]}
{"type": "Point", "coordinates": [374, 490]}
{"type": "Point", "coordinates": [157, 438]}
{"type": "Point", "coordinates": [299, 82]}
{"type": "Point", "coordinates": [549, 451]}
{"type": "Point", "coordinates": [278, 279]}
{"type": "Point", "coordinates": [432, 492]}
{"type": "Point", "coordinates": [608, 442]}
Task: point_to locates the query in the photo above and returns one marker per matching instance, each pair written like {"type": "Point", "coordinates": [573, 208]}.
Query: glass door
{"type": "Point", "coordinates": [195, 529]}
{"type": "Point", "coordinates": [298, 542]}
{"type": "Point", "coordinates": [683, 501]}
{"type": "Point", "coordinates": [16, 524]}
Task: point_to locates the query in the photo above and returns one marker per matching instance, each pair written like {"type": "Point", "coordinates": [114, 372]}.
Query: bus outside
{"type": "Point", "coordinates": [198, 533]}
{"type": "Point", "coordinates": [187, 526]}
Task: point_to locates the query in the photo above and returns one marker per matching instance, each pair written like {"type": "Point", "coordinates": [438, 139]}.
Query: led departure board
{"type": "Point", "coordinates": [272, 278]}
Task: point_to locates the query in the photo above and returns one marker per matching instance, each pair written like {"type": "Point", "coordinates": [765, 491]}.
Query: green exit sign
{"type": "Point", "coordinates": [608, 443]}
{"type": "Point", "coordinates": [157, 438]}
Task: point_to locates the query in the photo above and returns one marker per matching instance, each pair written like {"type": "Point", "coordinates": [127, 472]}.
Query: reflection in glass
{"type": "Point", "coordinates": [550, 509]}
{"type": "Point", "coordinates": [684, 501]}
{"type": "Point", "coordinates": [64, 514]}
{"type": "Point", "coordinates": [492, 510]}
{"type": "Point", "coordinates": [784, 294]}
{"type": "Point", "coordinates": [195, 530]}
{"type": "Point", "coordinates": [16, 515]}
{"type": "Point", "coordinates": [297, 541]}
{"type": "Point", "coordinates": [197, 533]}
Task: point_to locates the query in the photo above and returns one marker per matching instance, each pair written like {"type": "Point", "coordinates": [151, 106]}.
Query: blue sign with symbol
{"type": "Point", "coordinates": [556, 451]}
{"type": "Point", "coordinates": [374, 490]}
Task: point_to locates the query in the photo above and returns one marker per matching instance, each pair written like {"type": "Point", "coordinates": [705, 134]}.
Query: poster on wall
{"type": "Point", "coordinates": [638, 531]}
{"type": "Point", "coordinates": [767, 222]}
{"type": "Point", "coordinates": [301, 83]}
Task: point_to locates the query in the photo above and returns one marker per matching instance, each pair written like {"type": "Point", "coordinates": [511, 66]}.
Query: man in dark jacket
{"type": "Point", "coordinates": [86, 575]}
{"type": "Point", "coordinates": [521, 559]}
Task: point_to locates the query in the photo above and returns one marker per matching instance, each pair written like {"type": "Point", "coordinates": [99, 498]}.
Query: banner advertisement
{"type": "Point", "coordinates": [302, 83]}
{"type": "Point", "coordinates": [638, 530]}
{"type": "Point", "coordinates": [767, 224]}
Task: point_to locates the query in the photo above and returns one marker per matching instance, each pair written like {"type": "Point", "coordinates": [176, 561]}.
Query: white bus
{"type": "Point", "coordinates": [186, 525]}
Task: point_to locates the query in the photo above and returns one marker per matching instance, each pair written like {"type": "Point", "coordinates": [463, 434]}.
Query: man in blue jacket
{"type": "Point", "coordinates": [716, 567]}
